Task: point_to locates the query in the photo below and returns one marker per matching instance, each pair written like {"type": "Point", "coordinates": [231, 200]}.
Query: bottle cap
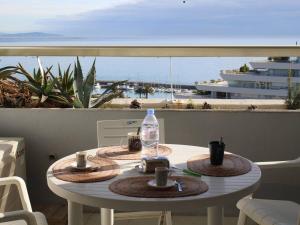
{"type": "Point", "coordinates": [150, 112]}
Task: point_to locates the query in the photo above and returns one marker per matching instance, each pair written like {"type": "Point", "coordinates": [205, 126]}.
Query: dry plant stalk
{"type": "Point", "coordinates": [14, 95]}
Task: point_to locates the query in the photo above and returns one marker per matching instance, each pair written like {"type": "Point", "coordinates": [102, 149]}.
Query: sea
{"type": "Point", "coordinates": [185, 70]}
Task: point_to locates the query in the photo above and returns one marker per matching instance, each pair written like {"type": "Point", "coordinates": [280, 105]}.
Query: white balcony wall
{"type": "Point", "coordinates": [259, 136]}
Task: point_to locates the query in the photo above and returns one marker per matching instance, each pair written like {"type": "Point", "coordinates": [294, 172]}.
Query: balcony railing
{"type": "Point", "coordinates": [152, 51]}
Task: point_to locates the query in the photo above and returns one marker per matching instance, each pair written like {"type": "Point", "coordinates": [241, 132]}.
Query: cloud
{"type": "Point", "coordinates": [22, 16]}
{"type": "Point", "coordinates": [193, 18]}
{"type": "Point", "coordinates": [53, 8]}
{"type": "Point", "coordinates": [156, 18]}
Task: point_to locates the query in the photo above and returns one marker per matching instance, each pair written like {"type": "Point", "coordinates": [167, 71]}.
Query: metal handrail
{"type": "Point", "coordinates": [152, 51]}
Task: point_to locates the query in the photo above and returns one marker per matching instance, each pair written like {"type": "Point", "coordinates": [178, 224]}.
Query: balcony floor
{"type": "Point", "coordinates": [93, 219]}
{"type": "Point", "coordinates": [57, 215]}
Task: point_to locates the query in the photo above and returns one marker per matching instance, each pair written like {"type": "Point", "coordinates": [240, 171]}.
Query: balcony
{"type": "Point", "coordinates": [259, 135]}
{"type": "Point", "coordinates": [232, 75]}
{"type": "Point", "coordinates": [274, 65]}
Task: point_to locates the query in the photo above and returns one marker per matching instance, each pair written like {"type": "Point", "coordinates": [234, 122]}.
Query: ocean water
{"type": "Point", "coordinates": [185, 70]}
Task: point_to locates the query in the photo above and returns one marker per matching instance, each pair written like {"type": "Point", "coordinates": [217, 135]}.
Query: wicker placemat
{"type": "Point", "coordinates": [138, 187]}
{"type": "Point", "coordinates": [120, 153]}
{"type": "Point", "coordinates": [102, 169]}
{"type": "Point", "coordinates": [233, 165]}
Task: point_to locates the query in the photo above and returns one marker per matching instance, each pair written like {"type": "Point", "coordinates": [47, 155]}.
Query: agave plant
{"type": "Point", "coordinates": [64, 85]}
{"type": "Point", "coordinates": [37, 82]}
{"type": "Point", "coordinates": [68, 89]}
{"type": "Point", "coordinates": [41, 84]}
{"type": "Point", "coordinates": [66, 80]}
{"type": "Point", "coordinates": [83, 88]}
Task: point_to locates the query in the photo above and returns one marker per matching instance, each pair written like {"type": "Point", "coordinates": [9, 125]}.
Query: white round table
{"type": "Point", "coordinates": [221, 190]}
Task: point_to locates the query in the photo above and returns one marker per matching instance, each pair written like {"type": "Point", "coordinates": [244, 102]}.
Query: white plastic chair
{"type": "Point", "coordinates": [31, 218]}
{"type": "Point", "coordinates": [111, 132]}
{"type": "Point", "coordinates": [270, 212]}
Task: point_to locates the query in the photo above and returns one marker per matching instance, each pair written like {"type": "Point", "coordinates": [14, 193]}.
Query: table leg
{"type": "Point", "coordinates": [75, 214]}
{"type": "Point", "coordinates": [107, 216]}
{"type": "Point", "coordinates": [215, 215]}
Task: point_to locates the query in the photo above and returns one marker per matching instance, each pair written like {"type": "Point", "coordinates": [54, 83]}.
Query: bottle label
{"type": "Point", "coordinates": [150, 135]}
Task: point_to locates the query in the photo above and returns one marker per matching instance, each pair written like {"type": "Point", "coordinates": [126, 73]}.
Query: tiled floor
{"type": "Point", "coordinates": [94, 219]}
{"type": "Point", "coordinates": [57, 215]}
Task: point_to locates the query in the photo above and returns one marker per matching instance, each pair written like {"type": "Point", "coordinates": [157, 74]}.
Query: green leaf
{"type": "Point", "coordinates": [61, 89]}
{"type": "Point", "coordinates": [46, 74]}
{"type": "Point", "coordinates": [78, 81]}
{"type": "Point", "coordinates": [114, 86]}
{"type": "Point", "coordinates": [28, 76]}
{"type": "Point", "coordinates": [104, 98]}
{"type": "Point", "coordinates": [6, 72]}
{"type": "Point", "coordinates": [77, 103]}
{"type": "Point", "coordinates": [88, 86]}
{"type": "Point", "coordinates": [60, 73]}
{"type": "Point", "coordinates": [35, 89]}
{"type": "Point", "coordinates": [8, 68]}
{"type": "Point", "coordinates": [67, 80]}
{"type": "Point", "coordinates": [60, 99]}
{"type": "Point", "coordinates": [192, 173]}
{"type": "Point", "coordinates": [49, 88]}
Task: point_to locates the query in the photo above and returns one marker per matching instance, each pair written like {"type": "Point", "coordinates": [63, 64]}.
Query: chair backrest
{"type": "Point", "coordinates": [110, 132]}
{"type": "Point", "coordinates": [279, 164]}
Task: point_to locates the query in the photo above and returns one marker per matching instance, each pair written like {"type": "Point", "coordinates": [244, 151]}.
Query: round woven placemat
{"type": "Point", "coordinates": [120, 153]}
{"type": "Point", "coordinates": [233, 165]}
{"type": "Point", "coordinates": [102, 169]}
{"type": "Point", "coordinates": [138, 187]}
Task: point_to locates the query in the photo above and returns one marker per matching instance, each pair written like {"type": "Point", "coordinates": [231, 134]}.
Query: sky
{"type": "Point", "coordinates": [152, 18]}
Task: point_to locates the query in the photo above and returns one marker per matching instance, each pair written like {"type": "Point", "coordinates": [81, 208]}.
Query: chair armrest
{"type": "Point", "coordinates": [18, 215]}
{"type": "Point", "coordinates": [279, 164]}
{"type": "Point", "coordinates": [21, 186]}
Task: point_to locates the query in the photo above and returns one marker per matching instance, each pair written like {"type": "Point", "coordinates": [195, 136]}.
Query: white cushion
{"type": "Point", "coordinates": [270, 212]}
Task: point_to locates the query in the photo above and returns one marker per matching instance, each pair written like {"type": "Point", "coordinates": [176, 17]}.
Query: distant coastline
{"type": "Point", "coordinates": [34, 36]}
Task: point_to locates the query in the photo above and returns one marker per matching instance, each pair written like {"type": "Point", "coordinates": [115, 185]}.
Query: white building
{"type": "Point", "coordinates": [266, 80]}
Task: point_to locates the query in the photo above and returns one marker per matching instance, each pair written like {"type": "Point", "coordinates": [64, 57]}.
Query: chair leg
{"type": "Point", "coordinates": [242, 218]}
{"type": "Point", "coordinates": [162, 218]}
{"type": "Point", "coordinates": [165, 218]}
{"type": "Point", "coordinates": [168, 218]}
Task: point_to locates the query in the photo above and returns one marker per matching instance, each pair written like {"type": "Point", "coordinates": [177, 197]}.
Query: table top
{"type": "Point", "coordinates": [221, 189]}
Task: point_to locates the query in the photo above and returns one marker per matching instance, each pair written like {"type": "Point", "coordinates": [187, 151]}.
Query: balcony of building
{"type": "Point", "coordinates": [262, 135]}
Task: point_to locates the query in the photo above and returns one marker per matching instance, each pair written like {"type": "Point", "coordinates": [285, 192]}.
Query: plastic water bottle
{"type": "Point", "coordinates": [150, 135]}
